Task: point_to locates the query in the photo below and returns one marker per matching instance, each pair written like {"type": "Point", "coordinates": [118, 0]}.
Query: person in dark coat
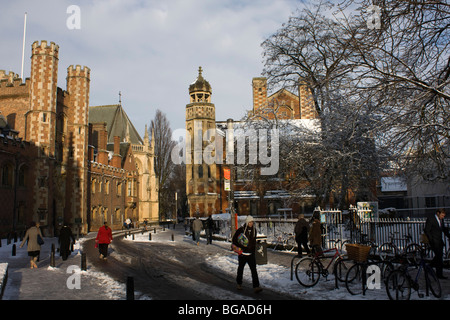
{"type": "Point", "coordinates": [65, 235]}
{"type": "Point", "coordinates": [209, 229]}
{"type": "Point", "coordinates": [301, 231]}
{"type": "Point", "coordinates": [248, 253]}
{"type": "Point", "coordinates": [436, 231]}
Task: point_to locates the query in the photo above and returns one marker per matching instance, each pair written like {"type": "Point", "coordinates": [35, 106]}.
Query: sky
{"type": "Point", "coordinates": [150, 51]}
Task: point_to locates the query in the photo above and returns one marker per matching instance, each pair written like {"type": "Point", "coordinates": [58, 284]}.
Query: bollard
{"type": "Point", "coordinates": [149, 236]}
{"type": "Point", "coordinates": [173, 238]}
{"type": "Point", "coordinates": [132, 237]}
{"type": "Point", "coordinates": [52, 259]}
{"type": "Point", "coordinates": [83, 262]}
{"type": "Point", "coordinates": [154, 230]}
{"type": "Point", "coordinates": [14, 250]}
{"type": "Point", "coordinates": [130, 288]}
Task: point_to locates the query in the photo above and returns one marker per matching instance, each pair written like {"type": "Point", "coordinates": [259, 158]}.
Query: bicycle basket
{"type": "Point", "coordinates": [357, 252]}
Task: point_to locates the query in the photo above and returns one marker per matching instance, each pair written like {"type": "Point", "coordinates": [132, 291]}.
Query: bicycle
{"type": "Point", "coordinates": [356, 278]}
{"type": "Point", "coordinates": [309, 269]}
{"type": "Point", "coordinates": [399, 282]}
{"type": "Point", "coordinates": [389, 250]}
{"type": "Point", "coordinates": [287, 240]}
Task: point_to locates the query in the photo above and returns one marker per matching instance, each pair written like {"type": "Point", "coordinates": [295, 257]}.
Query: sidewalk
{"type": "Point", "coordinates": [19, 282]}
{"type": "Point", "coordinates": [58, 283]}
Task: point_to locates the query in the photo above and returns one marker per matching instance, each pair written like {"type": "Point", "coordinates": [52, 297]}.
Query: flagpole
{"type": "Point", "coordinates": [23, 45]}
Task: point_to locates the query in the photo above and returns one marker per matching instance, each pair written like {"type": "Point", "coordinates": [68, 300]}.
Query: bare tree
{"type": "Point", "coordinates": [396, 74]}
{"type": "Point", "coordinates": [160, 127]}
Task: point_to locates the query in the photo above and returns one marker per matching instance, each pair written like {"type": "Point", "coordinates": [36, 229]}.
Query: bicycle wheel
{"type": "Point", "coordinates": [307, 272]}
{"type": "Point", "coordinates": [387, 251]}
{"type": "Point", "coordinates": [398, 286]}
{"type": "Point", "coordinates": [354, 279]}
{"type": "Point", "coordinates": [413, 253]}
{"type": "Point", "coordinates": [341, 267]}
{"type": "Point", "coordinates": [433, 281]}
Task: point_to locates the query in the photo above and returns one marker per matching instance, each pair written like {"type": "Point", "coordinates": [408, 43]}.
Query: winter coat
{"type": "Point", "coordinates": [434, 232]}
{"type": "Point", "coordinates": [31, 236]}
{"type": "Point", "coordinates": [315, 234]}
{"type": "Point", "coordinates": [104, 235]}
{"type": "Point", "coordinates": [250, 233]}
{"type": "Point", "coordinates": [301, 229]}
{"type": "Point", "coordinates": [197, 225]}
{"type": "Point", "coordinates": [65, 235]}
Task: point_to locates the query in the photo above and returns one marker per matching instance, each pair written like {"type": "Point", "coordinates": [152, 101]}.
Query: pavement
{"type": "Point", "coordinates": [64, 281]}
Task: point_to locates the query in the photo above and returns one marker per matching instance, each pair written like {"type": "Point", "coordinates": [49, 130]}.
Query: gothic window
{"type": "Point", "coordinates": [21, 176]}
{"type": "Point", "coordinates": [7, 175]}
{"type": "Point", "coordinates": [44, 117]}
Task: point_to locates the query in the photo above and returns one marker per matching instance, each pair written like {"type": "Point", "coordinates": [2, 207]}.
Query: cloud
{"type": "Point", "coordinates": [151, 50]}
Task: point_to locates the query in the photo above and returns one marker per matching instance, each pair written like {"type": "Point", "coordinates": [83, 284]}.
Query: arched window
{"type": "Point", "coordinates": [7, 174]}
{"type": "Point", "coordinates": [22, 174]}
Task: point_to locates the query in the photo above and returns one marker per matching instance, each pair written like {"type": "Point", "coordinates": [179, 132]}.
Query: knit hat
{"type": "Point", "coordinates": [249, 219]}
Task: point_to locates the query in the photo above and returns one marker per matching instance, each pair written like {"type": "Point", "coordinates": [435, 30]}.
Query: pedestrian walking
{"type": "Point", "coordinates": [315, 236]}
{"type": "Point", "coordinates": [436, 231]}
{"type": "Point", "coordinates": [209, 229]}
{"type": "Point", "coordinates": [65, 235]}
{"type": "Point", "coordinates": [245, 238]}
{"type": "Point", "coordinates": [301, 231]}
{"type": "Point", "coordinates": [34, 238]}
{"type": "Point", "coordinates": [104, 238]}
{"type": "Point", "coordinates": [197, 227]}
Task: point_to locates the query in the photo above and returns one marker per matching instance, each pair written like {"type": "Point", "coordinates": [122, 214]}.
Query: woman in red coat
{"type": "Point", "coordinates": [104, 238]}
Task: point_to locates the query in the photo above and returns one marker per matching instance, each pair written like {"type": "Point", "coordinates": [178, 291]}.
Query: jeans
{"type": "Point", "coordinates": [197, 236]}
{"type": "Point", "coordinates": [251, 260]}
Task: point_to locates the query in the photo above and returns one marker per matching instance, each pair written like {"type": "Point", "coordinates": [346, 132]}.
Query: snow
{"type": "Point", "coordinates": [96, 285]}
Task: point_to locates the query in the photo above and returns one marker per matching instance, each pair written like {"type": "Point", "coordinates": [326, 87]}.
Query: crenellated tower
{"type": "Point", "coordinates": [41, 118]}
{"type": "Point", "coordinates": [78, 86]}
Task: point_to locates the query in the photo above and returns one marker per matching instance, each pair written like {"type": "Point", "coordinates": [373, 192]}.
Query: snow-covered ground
{"type": "Point", "coordinates": [276, 275]}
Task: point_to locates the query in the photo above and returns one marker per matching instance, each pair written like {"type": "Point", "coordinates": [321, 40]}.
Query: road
{"type": "Point", "coordinates": [172, 270]}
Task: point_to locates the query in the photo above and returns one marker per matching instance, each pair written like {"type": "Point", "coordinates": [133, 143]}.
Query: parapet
{"type": "Point", "coordinates": [11, 79]}
{"type": "Point", "coordinates": [78, 71]}
{"type": "Point", "coordinates": [44, 48]}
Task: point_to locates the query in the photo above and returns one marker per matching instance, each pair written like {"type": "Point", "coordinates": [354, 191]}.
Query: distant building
{"type": "Point", "coordinates": [205, 182]}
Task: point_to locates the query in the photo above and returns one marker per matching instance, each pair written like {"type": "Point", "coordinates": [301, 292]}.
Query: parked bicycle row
{"type": "Point", "coordinates": [362, 271]}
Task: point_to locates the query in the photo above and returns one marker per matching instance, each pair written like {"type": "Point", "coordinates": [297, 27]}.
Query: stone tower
{"type": "Point", "coordinates": [78, 84]}
{"type": "Point", "coordinates": [259, 86]}
{"type": "Point", "coordinates": [201, 177]}
{"type": "Point", "coordinates": [41, 123]}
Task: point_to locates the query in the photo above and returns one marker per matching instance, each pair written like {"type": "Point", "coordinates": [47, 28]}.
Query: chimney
{"type": "Point", "coordinates": [117, 158]}
{"type": "Point", "coordinates": [102, 141]}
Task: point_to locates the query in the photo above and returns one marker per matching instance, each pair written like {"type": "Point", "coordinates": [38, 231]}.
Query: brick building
{"type": "Point", "coordinates": [48, 153]}
{"type": "Point", "coordinates": [205, 181]}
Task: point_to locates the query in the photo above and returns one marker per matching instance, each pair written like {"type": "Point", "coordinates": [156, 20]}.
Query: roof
{"type": "Point", "coordinates": [117, 123]}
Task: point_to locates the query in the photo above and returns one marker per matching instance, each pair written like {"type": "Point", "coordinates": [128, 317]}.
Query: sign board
{"type": "Point", "coordinates": [367, 209]}
{"type": "Point", "coordinates": [227, 185]}
{"type": "Point", "coordinates": [226, 174]}
{"type": "Point", "coordinates": [389, 184]}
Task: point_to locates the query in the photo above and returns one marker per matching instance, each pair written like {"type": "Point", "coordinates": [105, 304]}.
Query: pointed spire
{"type": "Point", "coordinates": [146, 137]}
